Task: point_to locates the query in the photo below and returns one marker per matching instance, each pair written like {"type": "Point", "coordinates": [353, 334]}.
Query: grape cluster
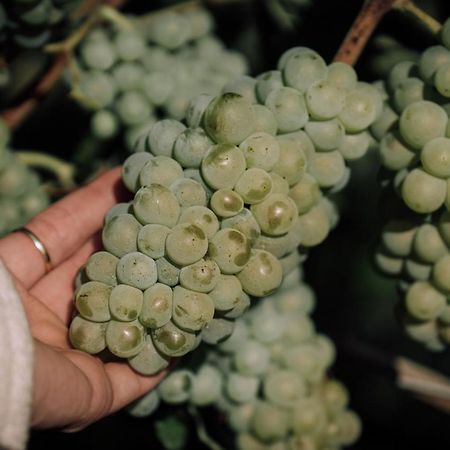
{"type": "Point", "coordinates": [414, 149]}
{"type": "Point", "coordinates": [220, 208]}
{"type": "Point", "coordinates": [129, 77]}
{"type": "Point", "coordinates": [268, 379]}
{"type": "Point", "coordinates": [21, 196]}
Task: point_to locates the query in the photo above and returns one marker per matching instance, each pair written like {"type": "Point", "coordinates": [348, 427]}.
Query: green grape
{"type": "Point", "coordinates": [98, 54]}
{"type": "Point", "coordinates": [117, 209]}
{"type": "Point", "coordinates": [91, 301]}
{"type": "Point", "coordinates": [230, 249]}
{"type": "Point", "coordinates": [261, 275]}
{"type": "Point", "coordinates": [201, 23]}
{"type": "Point", "coordinates": [241, 388]}
{"type": "Point", "coordinates": [327, 168]}
{"type": "Point", "coordinates": [14, 181]}
{"type": "Point", "coordinates": [261, 150]}
{"type": "Point", "coordinates": [242, 85]}
{"type": "Point", "coordinates": [196, 108]}
{"type": "Point", "coordinates": [279, 184]}
{"type": "Point", "coordinates": [306, 193]}
{"type": "Point", "coordinates": [132, 108]}
{"type": "Point", "coordinates": [244, 222]}
{"type": "Point", "coordinates": [417, 270]}
{"type": "Point", "coordinates": [266, 326]}
{"type": "Point", "coordinates": [239, 417]}
{"type": "Point", "coordinates": [444, 226]}
{"type": "Point", "coordinates": [125, 339]}
{"type": "Point", "coordinates": [421, 122]}
{"type": "Point", "coordinates": [283, 387]}
{"type": "Point", "coordinates": [240, 307]}
{"type": "Point", "coordinates": [397, 237]}
{"type": "Point", "coordinates": [342, 75]}
{"type": "Point", "coordinates": [226, 292]}
{"type": "Point", "coordinates": [238, 337]}
{"type": "Point", "coordinates": [325, 350]}
{"type": "Point", "coordinates": [269, 422]}
{"type": "Point", "coordinates": [297, 330]}
{"type": "Point", "coordinates": [266, 83]}
{"type": "Point", "coordinates": [423, 301]}
{"type": "Point", "coordinates": [146, 405]}
{"type": "Point", "coordinates": [292, 162]}
{"type": "Point", "coordinates": [400, 72]}
{"type": "Point", "coordinates": [442, 80]}
{"type": "Point", "coordinates": [195, 174]}
{"type": "Point", "coordinates": [393, 152]}
{"type": "Point", "coordinates": [147, 205]}
{"type": "Point", "coordinates": [229, 119]}
{"type": "Point", "coordinates": [186, 244]}
{"type": "Point", "coordinates": [440, 273]}
{"type": "Point", "coordinates": [217, 330]}
{"type": "Point", "coordinates": [99, 87]}
{"type": "Point", "coordinates": [191, 146]}
{"type": "Point", "coordinates": [176, 387]}
{"type": "Point", "coordinates": [388, 264]}
{"type": "Point", "coordinates": [151, 240]}
{"type": "Point", "coordinates": [435, 157]}
{"type": "Point", "coordinates": [303, 67]}
{"type": "Point", "coordinates": [125, 303]}
{"type": "Point", "coordinates": [349, 425]}
{"type": "Point", "coordinates": [173, 341]}
{"type": "Point", "coordinates": [87, 336]}
{"type": "Point", "coordinates": [170, 31]}
{"type": "Point", "coordinates": [223, 165]}
{"type": "Point", "coordinates": [160, 170]}
{"type": "Point", "coordinates": [189, 192]}
{"type": "Point", "coordinates": [101, 266]}
{"type": "Point", "coordinates": [308, 417]}
{"type": "Point", "coordinates": [335, 395]}
{"type": "Point", "coordinates": [132, 167]}
{"type": "Point", "coordinates": [104, 124]}
{"type": "Point", "coordinates": [428, 244]}
{"type": "Point", "coordinates": [202, 217]}
{"type": "Point", "coordinates": [408, 91]}
{"type": "Point", "coordinates": [315, 226]}
{"type": "Point", "coordinates": [137, 270]}
{"type": "Point", "coordinates": [157, 86]}
{"type": "Point", "coordinates": [191, 310]}
{"type": "Point", "coordinates": [136, 135]}
{"type": "Point", "coordinates": [324, 100]}
{"type": "Point", "coordinates": [163, 135]}
{"type": "Point", "coordinates": [326, 135]}
{"type": "Point", "coordinates": [385, 123]}
{"type": "Point", "coordinates": [354, 146]}
{"type": "Point", "coordinates": [226, 203]}
{"type": "Point", "coordinates": [422, 192]}
{"type": "Point", "coordinates": [130, 46]}
{"type": "Point", "coordinates": [265, 120]}
{"type": "Point", "coordinates": [288, 107]}
{"type": "Point", "coordinates": [431, 60]}
{"type": "Point", "coordinates": [445, 33]}
{"type": "Point", "coordinates": [251, 358]}
{"type": "Point", "coordinates": [157, 306]}
{"type": "Point", "coordinates": [206, 386]}
{"type": "Point", "coordinates": [201, 276]}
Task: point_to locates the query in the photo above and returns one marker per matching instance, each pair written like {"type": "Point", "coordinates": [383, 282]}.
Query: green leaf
{"type": "Point", "coordinates": [172, 432]}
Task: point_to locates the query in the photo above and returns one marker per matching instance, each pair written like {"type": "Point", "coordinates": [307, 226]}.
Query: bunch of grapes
{"type": "Point", "coordinates": [268, 379]}
{"type": "Point", "coordinates": [220, 208]}
{"type": "Point", "coordinates": [414, 149]}
{"type": "Point", "coordinates": [21, 193]}
{"type": "Point", "coordinates": [129, 77]}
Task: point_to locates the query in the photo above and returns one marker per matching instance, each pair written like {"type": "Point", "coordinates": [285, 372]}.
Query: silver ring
{"type": "Point", "coordinates": [39, 246]}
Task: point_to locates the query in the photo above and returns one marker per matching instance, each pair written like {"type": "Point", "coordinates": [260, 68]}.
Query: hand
{"type": "Point", "coordinates": [71, 389]}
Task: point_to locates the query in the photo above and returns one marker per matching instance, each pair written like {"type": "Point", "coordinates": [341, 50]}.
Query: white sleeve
{"type": "Point", "coordinates": [16, 367]}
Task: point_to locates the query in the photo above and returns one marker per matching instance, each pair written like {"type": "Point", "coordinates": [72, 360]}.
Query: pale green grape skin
{"type": "Point", "coordinates": [288, 53]}
{"type": "Point", "coordinates": [101, 266]}
{"type": "Point", "coordinates": [283, 387]}
{"type": "Point", "coordinates": [441, 271]}
{"type": "Point", "coordinates": [422, 192]}
{"type": "Point", "coordinates": [173, 341]}
{"type": "Point", "coordinates": [354, 146]}
{"type": "Point", "coordinates": [315, 226]}
{"type": "Point", "coordinates": [342, 75]}
{"type": "Point", "coordinates": [137, 270]}
{"type": "Point", "coordinates": [261, 275]}
{"type": "Point", "coordinates": [160, 170]}
{"type": "Point", "coordinates": [98, 87]}
{"type": "Point", "coordinates": [226, 293]}
{"type": "Point", "coordinates": [435, 157]}
{"type": "Point", "coordinates": [269, 422]}
{"type": "Point", "coordinates": [431, 60]}
{"type": "Point", "coordinates": [157, 306]}
{"type": "Point", "coordinates": [129, 45]}
{"type": "Point", "coordinates": [254, 185]}
{"type": "Point", "coordinates": [349, 425]}
{"type": "Point", "coordinates": [191, 310]}
{"type": "Point", "coordinates": [397, 237]}
{"type": "Point", "coordinates": [156, 204]}
{"type": "Point", "coordinates": [385, 123]}
{"type": "Point", "coordinates": [293, 160]}
{"type": "Point", "coordinates": [298, 329]}
{"type": "Point", "coordinates": [408, 91]}
{"type": "Point", "coordinates": [421, 122]}
{"type": "Point", "coordinates": [266, 83]}
{"type": "Point", "coordinates": [289, 109]}
{"type": "Point", "coordinates": [91, 301]}
{"type": "Point", "coordinates": [239, 417]}
{"type": "Point", "coordinates": [445, 33]}
{"type": "Point", "coordinates": [326, 350]}
{"type": "Point", "coordinates": [428, 244]}
{"type": "Point", "coordinates": [265, 120]}
{"type": "Point", "coordinates": [327, 168]}
{"type": "Point", "coordinates": [151, 240]}
{"type": "Point", "coordinates": [326, 135]}
{"type": "Point", "coordinates": [131, 169]}
{"type": "Point", "coordinates": [226, 203]}
{"type": "Point", "coordinates": [176, 387]}
{"type": "Point", "coordinates": [394, 154]}
{"type": "Point", "coordinates": [261, 150]}
{"type": "Point", "coordinates": [324, 100]}
{"type": "Point", "coordinates": [400, 72]}
{"type": "Point", "coordinates": [162, 136]}
{"type": "Point", "coordinates": [230, 249]}
{"type": "Point", "coordinates": [423, 301]}
{"type": "Point", "coordinates": [266, 326]}
{"type": "Point", "coordinates": [201, 276]}
{"type": "Point", "coordinates": [242, 85]}
{"type": "Point", "coordinates": [148, 361]}
{"type": "Point", "coordinates": [132, 108]}
{"type": "Point", "coordinates": [87, 336]}
{"type": "Point", "coordinates": [128, 75]}
{"type": "Point", "coordinates": [251, 358]}
{"type": "Point", "coordinates": [168, 273]}
{"type": "Point", "coordinates": [279, 184]}
{"type": "Point", "coordinates": [206, 386]}
{"type": "Point", "coordinates": [104, 124]}
{"type": "Point", "coordinates": [244, 222]}
{"type": "Point", "coordinates": [217, 330]}
{"type": "Point", "coordinates": [444, 227]}
{"type": "Point", "coordinates": [146, 405]}
{"type": "Point", "coordinates": [191, 146]}
{"type": "Point", "coordinates": [118, 208]}
{"type": "Point", "coordinates": [335, 395]}
{"type": "Point", "coordinates": [223, 165]}
{"type": "Point", "coordinates": [241, 388]}
{"type": "Point", "coordinates": [202, 217]}
{"type": "Point", "coordinates": [229, 119]}
{"type": "Point", "coordinates": [239, 309]}
{"type": "Point", "coordinates": [417, 270]}
{"type": "Point", "coordinates": [309, 417]}
{"type": "Point", "coordinates": [157, 86]}
{"type": "Point", "coordinates": [196, 109]}
{"type": "Point", "coordinates": [125, 303]}
{"type": "Point", "coordinates": [186, 244]}
{"type": "Point", "coordinates": [125, 339]}
{"type": "Point", "coordinates": [388, 264]}
{"type": "Point", "coordinates": [189, 192]}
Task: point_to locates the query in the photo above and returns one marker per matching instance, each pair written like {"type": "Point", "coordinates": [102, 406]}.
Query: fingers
{"type": "Point", "coordinates": [56, 289]}
{"type": "Point", "coordinates": [63, 228]}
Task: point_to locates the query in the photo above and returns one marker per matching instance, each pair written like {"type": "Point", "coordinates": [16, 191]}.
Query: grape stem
{"type": "Point", "coordinates": [202, 433]}
{"type": "Point", "coordinates": [62, 170]}
{"type": "Point", "coordinates": [430, 22]}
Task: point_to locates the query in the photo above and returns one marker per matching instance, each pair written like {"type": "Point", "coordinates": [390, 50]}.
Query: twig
{"type": "Point", "coordinates": [430, 22]}
{"type": "Point", "coordinates": [202, 433]}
